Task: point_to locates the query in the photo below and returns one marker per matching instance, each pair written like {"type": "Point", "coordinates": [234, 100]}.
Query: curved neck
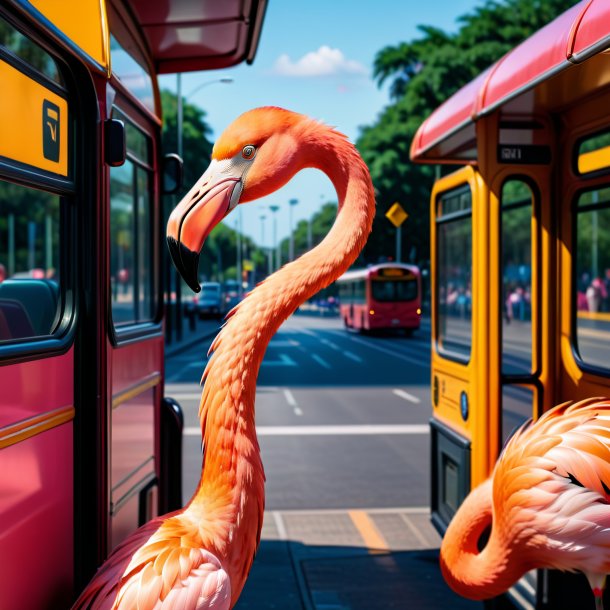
{"type": "Point", "coordinates": [231, 487]}
{"type": "Point", "coordinates": [473, 574]}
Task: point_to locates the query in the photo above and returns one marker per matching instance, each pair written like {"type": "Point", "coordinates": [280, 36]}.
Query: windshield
{"type": "Point", "coordinates": [394, 290]}
{"type": "Point", "coordinates": [210, 290]}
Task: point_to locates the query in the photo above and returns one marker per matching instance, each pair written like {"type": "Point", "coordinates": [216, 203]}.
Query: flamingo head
{"type": "Point", "coordinates": [257, 154]}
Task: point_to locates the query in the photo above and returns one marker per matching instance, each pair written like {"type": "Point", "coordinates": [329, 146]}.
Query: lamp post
{"type": "Point", "coordinates": [263, 248]}
{"type": "Point", "coordinates": [179, 121]}
{"type": "Point", "coordinates": [292, 203]}
{"type": "Point", "coordinates": [274, 209]}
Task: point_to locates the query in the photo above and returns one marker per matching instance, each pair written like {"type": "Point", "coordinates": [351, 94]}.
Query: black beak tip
{"type": "Point", "coordinates": [186, 262]}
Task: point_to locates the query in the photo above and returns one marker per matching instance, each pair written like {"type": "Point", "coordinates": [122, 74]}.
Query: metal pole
{"type": "Point", "coordinates": [179, 118]}
{"type": "Point", "coordinates": [238, 244]}
{"type": "Point", "coordinates": [274, 209]}
{"type": "Point", "coordinates": [398, 244]}
{"type": "Point", "coordinates": [292, 203]}
{"type": "Point", "coordinates": [49, 244]}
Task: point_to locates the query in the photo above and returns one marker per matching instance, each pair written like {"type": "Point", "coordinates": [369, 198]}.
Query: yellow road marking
{"type": "Point", "coordinates": [371, 536]}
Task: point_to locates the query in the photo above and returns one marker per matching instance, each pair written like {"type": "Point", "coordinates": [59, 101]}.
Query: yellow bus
{"type": "Point", "coordinates": [520, 235]}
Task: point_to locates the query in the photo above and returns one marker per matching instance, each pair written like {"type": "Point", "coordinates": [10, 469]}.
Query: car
{"type": "Point", "coordinates": [208, 303]}
{"type": "Point", "coordinates": [231, 294]}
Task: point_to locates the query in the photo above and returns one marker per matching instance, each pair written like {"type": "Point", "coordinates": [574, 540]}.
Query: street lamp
{"type": "Point", "coordinates": [179, 120]}
{"type": "Point", "coordinates": [274, 209]}
{"type": "Point", "coordinates": [292, 203]}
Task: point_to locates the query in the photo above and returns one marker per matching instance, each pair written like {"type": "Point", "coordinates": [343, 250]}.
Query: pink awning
{"type": "Point", "coordinates": [574, 36]}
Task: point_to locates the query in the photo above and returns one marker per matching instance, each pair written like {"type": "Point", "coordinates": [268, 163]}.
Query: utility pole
{"type": "Point", "coordinates": [274, 209]}
{"type": "Point", "coordinates": [292, 203]}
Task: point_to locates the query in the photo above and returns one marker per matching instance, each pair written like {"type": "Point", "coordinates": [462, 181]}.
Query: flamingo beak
{"type": "Point", "coordinates": [214, 195]}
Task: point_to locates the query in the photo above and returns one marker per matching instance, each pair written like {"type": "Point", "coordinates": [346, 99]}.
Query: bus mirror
{"type": "Point", "coordinates": [172, 173]}
{"type": "Point", "coordinates": [114, 142]}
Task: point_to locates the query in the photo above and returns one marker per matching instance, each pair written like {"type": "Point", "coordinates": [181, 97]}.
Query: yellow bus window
{"type": "Point", "coordinates": [592, 279]}
{"type": "Point", "coordinates": [516, 297]}
{"type": "Point", "coordinates": [594, 153]}
{"type": "Point", "coordinates": [454, 271]}
{"type": "Point", "coordinates": [17, 44]}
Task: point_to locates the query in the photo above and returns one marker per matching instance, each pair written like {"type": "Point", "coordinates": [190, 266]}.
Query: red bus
{"type": "Point", "coordinates": [386, 296]}
{"type": "Point", "coordinates": [86, 449]}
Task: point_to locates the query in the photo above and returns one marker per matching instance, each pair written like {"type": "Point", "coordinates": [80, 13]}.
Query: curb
{"type": "Point", "coordinates": [188, 343]}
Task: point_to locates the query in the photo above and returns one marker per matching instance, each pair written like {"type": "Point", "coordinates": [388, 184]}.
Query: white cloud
{"type": "Point", "coordinates": [323, 62]}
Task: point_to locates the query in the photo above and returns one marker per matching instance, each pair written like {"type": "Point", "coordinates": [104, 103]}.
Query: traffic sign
{"type": "Point", "coordinates": [396, 215]}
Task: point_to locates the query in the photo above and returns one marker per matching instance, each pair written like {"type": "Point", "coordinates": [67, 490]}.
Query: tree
{"type": "Point", "coordinates": [423, 73]}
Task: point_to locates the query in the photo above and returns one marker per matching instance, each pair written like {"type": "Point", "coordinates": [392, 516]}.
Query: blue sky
{"type": "Point", "coordinates": [314, 57]}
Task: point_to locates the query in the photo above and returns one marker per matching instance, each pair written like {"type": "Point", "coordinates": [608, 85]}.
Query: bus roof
{"type": "Point", "coordinates": [187, 35]}
{"type": "Point", "coordinates": [355, 274]}
{"type": "Point", "coordinates": [448, 134]}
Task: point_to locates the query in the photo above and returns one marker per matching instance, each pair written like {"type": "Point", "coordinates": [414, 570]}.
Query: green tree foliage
{"type": "Point", "coordinates": [422, 74]}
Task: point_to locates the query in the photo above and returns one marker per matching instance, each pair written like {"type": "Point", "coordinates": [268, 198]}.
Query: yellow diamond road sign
{"type": "Point", "coordinates": [396, 215]}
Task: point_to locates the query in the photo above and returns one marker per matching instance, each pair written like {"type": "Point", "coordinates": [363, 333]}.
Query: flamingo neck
{"type": "Point", "coordinates": [469, 572]}
{"type": "Point", "coordinates": [232, 482]}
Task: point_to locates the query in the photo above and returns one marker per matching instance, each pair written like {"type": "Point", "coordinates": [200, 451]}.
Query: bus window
{"type": "Point", "coordinates": [29, 262]}
{"type": "Point", "coordinates": [131, 73]}
{"type": "Point", "coordinates": [594, 153]}
{"type": "Point", "coordinates": [517, 408]}
{"type": "Point", "coordinates": [592, 289]}
{"type": "Point", "coordinates": [454, 256]}
{"type": "Point", "coordinates": [517, 205]}
{"type": "Point", "coordinates": [394, 290]}
{"type": "Point", "coordinates": [17, 44]}
{"type": "Point", "coordinates": [132, 266]}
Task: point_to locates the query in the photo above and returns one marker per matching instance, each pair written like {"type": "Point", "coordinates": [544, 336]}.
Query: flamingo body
{"type": "Point", "coordinates": [199, 557]}
{"type": "Point", "coordinates": [547, 503]}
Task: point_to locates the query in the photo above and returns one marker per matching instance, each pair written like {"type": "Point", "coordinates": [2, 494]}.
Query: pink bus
{"type": "Point", "coordinates": [90, 448]}
{"type": "Point", "coordinates": [386, 296]}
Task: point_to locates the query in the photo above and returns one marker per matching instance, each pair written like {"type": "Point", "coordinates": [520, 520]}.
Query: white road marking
{"type": "Point", "coordinates": [283, 343]}
{"type": "Point", "coordinates": [321, 361]}
{"type": "Point", "coordinates": [420, 537]}
{"type": "Point", "coordinates": [330, 344]}
{"type": "Point", "coordinates": [292, 402]}
{"type": "Point", "coordinates": [279, 525]}
{"type": "Point", "coordinates": [406, 396]}
{"type": "Point", "coordinates": [283, 360]}
{"type": "Point", "coordinates": [385, 350]}
{"type": "Point", "coordinates": [355, 430]}
{"type": "Point", "coordinates": [352, 356]}
{"type": "Point", "coordinates": [181, 396]}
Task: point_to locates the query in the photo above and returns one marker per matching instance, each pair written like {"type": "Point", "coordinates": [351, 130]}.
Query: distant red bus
{"type": "Point", "coordinates": [381, 297]}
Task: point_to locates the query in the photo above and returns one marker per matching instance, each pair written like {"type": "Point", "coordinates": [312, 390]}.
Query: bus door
{"type": "Point", "coordinates": [460, 363]}
{"type": "Point", "coordinates": [37, 321]}
{"type": "Point", "coordinates": [136, 341]}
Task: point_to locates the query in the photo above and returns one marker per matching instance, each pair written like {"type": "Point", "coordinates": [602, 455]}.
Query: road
{"type": "Point", "coordinates": [342, 420]}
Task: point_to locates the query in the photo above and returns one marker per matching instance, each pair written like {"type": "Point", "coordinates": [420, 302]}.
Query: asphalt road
{"type": "Point", "coordinates": [342, 417]}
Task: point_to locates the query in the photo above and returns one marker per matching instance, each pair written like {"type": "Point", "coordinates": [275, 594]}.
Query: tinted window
{"type": "Point", "coordinates": [30, 302]}
{"type": "Point", "coordinates": [454, 273]}
{"type": "Point", "coordinates": [592, 282]}
{"type": "Point", "coordinates": [394, 290]}
{"type": "Point", "coordinates": [132, 264]}
{"type": "Point", "coordinates": [516, 301]}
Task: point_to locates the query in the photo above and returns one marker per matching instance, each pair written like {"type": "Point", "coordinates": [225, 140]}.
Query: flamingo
{"type": "Point", "coordinates": [547, 502]}
{"type": "Point", "coordinates": [199, 557]}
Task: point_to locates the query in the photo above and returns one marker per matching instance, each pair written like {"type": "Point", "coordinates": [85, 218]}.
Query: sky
{"type": "Point", "coordinates": [314, 57]}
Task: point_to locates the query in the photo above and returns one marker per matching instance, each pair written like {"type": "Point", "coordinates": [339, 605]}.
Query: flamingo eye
{"type": "Point", "coordinates": [248, 152]}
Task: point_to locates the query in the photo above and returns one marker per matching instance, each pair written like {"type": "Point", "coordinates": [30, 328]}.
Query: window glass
{"type": "Point", "coordinates": [594, 153]}
{"type": "Point", "coordinates": [30, 301]}
{"type": "Point", "coordinates": [517, 408]}
{"type": "Point", "coordinates": [593, 277]}
{"type": "Point", "coordinates": [517, 206]}
{"type": "Point", "coordinates": [132, 264]}
{"type": "Point", "coordinates": [24, 48]}
{"type": "Point", "coordinates": [397, 290]}
{"type": "Point", "coordinates": [454, 268]}
{"type": "Point", "coordinates": [131, 73]}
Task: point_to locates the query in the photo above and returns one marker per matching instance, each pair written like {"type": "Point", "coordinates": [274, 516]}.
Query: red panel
{"type": "Point", "coordinates": [593, 28]}
{"type": "Point", "coordinates": [36, 513]}
{"type": "Point", "coordinates": [134, 362]}
{"type": "Point", "coordinates": [542, 52]}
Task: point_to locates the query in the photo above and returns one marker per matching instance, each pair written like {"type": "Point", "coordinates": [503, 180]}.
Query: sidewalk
{"type": "Point", "coordinates": [349, 560]}
{"type": "Point", "coordinates": [203, 329]}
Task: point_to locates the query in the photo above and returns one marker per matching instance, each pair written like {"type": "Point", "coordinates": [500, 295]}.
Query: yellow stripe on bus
{"type": "Point", "coordinates": [29, 114]}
